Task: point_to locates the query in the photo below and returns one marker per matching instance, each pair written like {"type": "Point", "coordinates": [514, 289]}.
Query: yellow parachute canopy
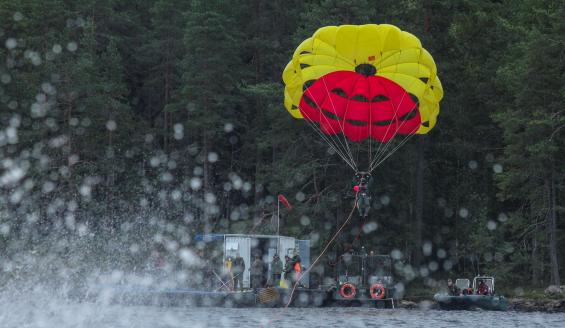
{"type": "Point", "coordinates": [397, 55]}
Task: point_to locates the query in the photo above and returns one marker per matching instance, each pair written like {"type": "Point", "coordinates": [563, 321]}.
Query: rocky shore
{"type": "Point", "coordinates": [536, 305]}
{"type": "Point", "coordinates": [515, 304]}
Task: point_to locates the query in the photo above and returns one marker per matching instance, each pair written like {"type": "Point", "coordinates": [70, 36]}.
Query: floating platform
{"type": "Point", "coordinates": [143, 295]}
{"type": "Point", "coordinates": [263, 297]}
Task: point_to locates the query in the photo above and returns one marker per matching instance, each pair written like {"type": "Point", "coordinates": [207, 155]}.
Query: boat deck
{"type": "Point", "coordinates": [264, 297]}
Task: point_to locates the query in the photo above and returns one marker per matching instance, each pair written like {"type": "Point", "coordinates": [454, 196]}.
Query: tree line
{"type": "Point", "coordinates": [146, 122]}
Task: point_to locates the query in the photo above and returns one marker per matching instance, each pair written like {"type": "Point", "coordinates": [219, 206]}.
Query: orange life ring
{"type": "Point", "coordinates": [348, 290]}
{"type": "Point", "coordinates": [377, 291]}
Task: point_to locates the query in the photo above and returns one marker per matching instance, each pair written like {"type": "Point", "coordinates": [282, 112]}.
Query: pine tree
{"type": "Point", "coordinates": [532, 121]}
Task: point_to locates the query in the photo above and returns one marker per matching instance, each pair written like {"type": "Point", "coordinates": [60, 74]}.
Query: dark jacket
{"type": "Point", "coordinates": [238, 265]}
{"type": "Point", "coordinates": [288, 266]}
{"type": "Point", "coordinates": [257, 268]}
{"type": "Point", "coordinates": [277, 266]}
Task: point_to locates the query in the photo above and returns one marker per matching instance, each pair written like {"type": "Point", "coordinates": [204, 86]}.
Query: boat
{"type": "Point", "coordinates": [469, 298]}
{"type": "Point", "coordinates": [363, 280]}
{"type": "Point", "coordinates": [359, 279]}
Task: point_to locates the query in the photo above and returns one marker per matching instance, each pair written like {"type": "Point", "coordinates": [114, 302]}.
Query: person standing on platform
{"type": "Point", "coordinates": [287, 271]}
{"type": "Point", "coordinates": [256, 271]}
{"type": "Point", "coordinates": [276, 270]}
{"type": "Point", "coordinates": [238, 268]}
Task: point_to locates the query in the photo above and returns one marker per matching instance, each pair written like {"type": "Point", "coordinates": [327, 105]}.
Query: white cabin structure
{"type": "Point", "coordinates": [265, 246]}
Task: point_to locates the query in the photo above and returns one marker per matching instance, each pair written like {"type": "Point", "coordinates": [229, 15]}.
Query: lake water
{"type": "Point", "coordinates": [42, 311]}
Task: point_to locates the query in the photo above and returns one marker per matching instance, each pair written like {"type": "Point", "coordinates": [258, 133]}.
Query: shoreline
{"type": "Point", "coordinates": [514, 304]}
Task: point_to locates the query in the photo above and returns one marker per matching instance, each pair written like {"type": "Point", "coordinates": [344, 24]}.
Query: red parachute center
{"type": "Point", "coordinates": [360, 106]}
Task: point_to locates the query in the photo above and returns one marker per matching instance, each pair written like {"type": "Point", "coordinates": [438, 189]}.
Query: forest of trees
{"type": "Point", "coordinates": [160, 119]}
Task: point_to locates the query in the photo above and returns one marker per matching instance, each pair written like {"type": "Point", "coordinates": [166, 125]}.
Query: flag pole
{"type": "Point", "coordinates": [278, 224]}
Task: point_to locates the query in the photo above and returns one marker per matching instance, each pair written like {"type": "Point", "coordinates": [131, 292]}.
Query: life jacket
{"type": "Point", "coordinates": [297, 267]}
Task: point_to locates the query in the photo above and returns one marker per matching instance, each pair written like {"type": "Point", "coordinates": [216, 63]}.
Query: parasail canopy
{"type": "Point", "coordinates": [360, 86]}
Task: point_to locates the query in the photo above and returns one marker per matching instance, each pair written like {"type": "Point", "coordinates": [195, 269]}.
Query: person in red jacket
{"type": "Point", "coordinates": [483, 288]}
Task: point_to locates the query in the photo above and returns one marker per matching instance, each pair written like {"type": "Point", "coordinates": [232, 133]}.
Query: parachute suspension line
{"type": "Point", "coordinates": [341, 125]}
{"type": "Point", "coordinates": [334, 145]}
{"type": "Point", "coordinates": [323, 251]}
{"type": "Point", "coordinates": [338, 151]}
{"type": "Point", "coordinates": [408, 137]}
{"type": "Point", "coordinates": [381, 157]}
{"type": "Point", "coordinates": [339, 146]}
{"type": "Point", "coordinates": [383, 146]}
{"type": "Point", "coordinates": [383, 153]}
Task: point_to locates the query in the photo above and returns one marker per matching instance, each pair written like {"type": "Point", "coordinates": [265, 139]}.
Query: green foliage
{"type": "Point", "coordinates": [167, 117]}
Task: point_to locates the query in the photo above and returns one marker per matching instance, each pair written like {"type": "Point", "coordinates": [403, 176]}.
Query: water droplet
{"type": "Point", "coordinates": [11, 43]}
{"type": "Point", "coordinates": [195, 183]}
{"type": "Point", "coordinates": [213, 157]}
{"type": "Point", "coordinates": [447, 265]}
{"type": "Point", "coordinates": [167, 177]}
{"type": "Point", "coordinates": [111, 125]}
{"type": "Point", "coordinates": [5, 78]}
{"type": "Point", "coordinates": [4, 229]}
{"type": "Point", "coordinates": [179, 131]}
{"type": "Point", "coordinates": [473, 165]}
{"type": "Point", "coordinates": [210, 198]}
{"type": "Point", "coordinates": [154, 161]}
{"type": "Point", "coordinates": [502, 217]}
{"type": "Point", "coordinates": [427, 248]}
{"type": "Point", "coordinates": [396, 254]}
{"type": "Point", "coordinates": [370, 227]}
{"type": "Point", "coordinates": [385, 200]}
{"type": "Point", "coordinates": [18, 16]}
{"type": "Point", "coordinates": [134, 248]}
{"type": "Point", "coordinates": [463, 212]}
{"type": "Point", "coordinates": [300, 196]}
{"type": "Point", "coordinates": [424, 271]}
{"type": "Point", "coordinates": [304, 220]}
{"type": "Point", "coordinates": [491, 225]}
{"type": "Point", "coordinates": [497, 168]}
{"type": "Point", "coordinates": [228, 127]}
{"type": "Point", "coordinates": [57, 48]}
{"type": "Point", "coordinates": [72, 46]}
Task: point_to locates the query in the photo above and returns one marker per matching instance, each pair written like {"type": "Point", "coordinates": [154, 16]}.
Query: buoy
{"type": "Point", "coordinates": [348, 290]}
{"type": "Point", "coordinates": [377, 291]}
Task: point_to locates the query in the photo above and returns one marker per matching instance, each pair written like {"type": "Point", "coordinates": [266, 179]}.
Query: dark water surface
{"type": "Point", "coordinates": [61, 314]}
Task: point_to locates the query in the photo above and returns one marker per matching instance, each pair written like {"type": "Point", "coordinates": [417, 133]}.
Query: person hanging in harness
{"type": "Point", "coordinates": [362, 180]}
